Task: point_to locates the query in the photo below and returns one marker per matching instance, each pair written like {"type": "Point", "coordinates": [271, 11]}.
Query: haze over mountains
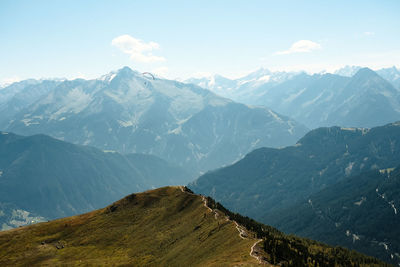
{"type": "Point", "coordinates": [90, 142]}
{"type": "Point", "coordinates": [352, 97]}
{"type": "Point", "coordinates": [44, 178]}
{"type": "Point", "coordinates": [129, 112]}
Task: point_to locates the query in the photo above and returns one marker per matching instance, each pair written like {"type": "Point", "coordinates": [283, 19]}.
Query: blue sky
{"type": "Point", "coordinates": [184, 38]}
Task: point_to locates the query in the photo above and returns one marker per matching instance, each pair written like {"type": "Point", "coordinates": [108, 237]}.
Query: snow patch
{"type": "Point", "coordinates": [292, 97]}
{"type": "Point", "coordinates": [355, 238]}
{"type": "Point", "coordinates": [349, 168]}
{"type": "Point", "coordinates": [176, 131]}
{"type": "Point", "coordinates": [321, 172]}
{"type": "Point", "coordinates": [384, 245]}
{"type": "Point", "coordinates": [125, 123]}
{"type": "Point", "coordinates": [29, 122]}
{"type": "Point", "coordinates": [265, 78]}
{"type": "Point", "coordinates": [110, 151]}
{"type": "Point", "coordinates": [275, 116]}
{"type": "Point", "coordinates": [108, 77]}
{"type": "Point", "coordinates": [391, 203]}
{"type": "Point", "coordinates": [254, 143]}
{"type": "Point", "coordinates": [351, 129]}
{"type": "Point", "coordinates": [358, 203]}
{"type": "Point", "coordinates": [291, 127]}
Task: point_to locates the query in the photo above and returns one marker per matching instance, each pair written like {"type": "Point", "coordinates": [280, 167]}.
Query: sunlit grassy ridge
{"type": "Point", "coordinates": [169, 226]}
{"type": "Point", "coordinates": [160, 227]}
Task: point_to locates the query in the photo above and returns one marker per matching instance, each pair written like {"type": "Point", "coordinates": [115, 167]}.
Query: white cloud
{"type": "Point", "coordinates": [302, 46]}
{"type": "Point", "coordinates": [369, 33]}
{"type": "Point", "coordinates": [138, 50]}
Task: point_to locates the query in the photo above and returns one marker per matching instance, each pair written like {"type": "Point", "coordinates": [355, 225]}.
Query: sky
{"type": "Point", "coordinates": [181, 39]}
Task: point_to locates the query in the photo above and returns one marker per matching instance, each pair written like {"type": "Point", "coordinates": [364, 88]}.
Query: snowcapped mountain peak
{"type": "Point", "coordinates": [124, 73]}
{"type": "Point", "coordinates": [128, 111]}
{"type": "Point", "coordinates": [261, 72]}
{"type": "Point", "coordinates": [391, 74]}
{"type": "Point", "coordinates": [108, 77]}
{"type": "Point", "coordinates": [347, 71]}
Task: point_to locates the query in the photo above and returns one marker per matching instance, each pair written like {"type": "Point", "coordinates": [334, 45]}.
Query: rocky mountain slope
{"type": "Point", "coordinates": [131, 112]}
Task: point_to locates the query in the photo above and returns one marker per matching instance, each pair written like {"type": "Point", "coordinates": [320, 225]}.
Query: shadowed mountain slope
{"type": "Point", "coordinates": [269, 179]}
{"type": "Point", "coordinates": [51, 178]}
{"type": "Point", "coordinates": [360, 212]}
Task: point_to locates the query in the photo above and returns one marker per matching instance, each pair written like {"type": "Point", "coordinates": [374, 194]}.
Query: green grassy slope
{"type": "Point", "coordinates": [159, 227]}
{"type": "Point", "coordinates": [164, 227]}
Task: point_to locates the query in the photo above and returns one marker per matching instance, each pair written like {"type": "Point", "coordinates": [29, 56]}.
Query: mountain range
{"type": "Point", "coordinates": [130, 112]}
{"type": "Point", "coordinates": [90, 142]}
{"type": "Point", "coordinates": [44, 178]}
{"type": "Point", "coordinates": [352, 97]}
{"type": "Point", "coordinates": [269, 184]}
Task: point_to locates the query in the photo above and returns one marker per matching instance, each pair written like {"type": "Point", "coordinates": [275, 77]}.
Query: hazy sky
{"type": "Point", "coordinates": [182, 38]}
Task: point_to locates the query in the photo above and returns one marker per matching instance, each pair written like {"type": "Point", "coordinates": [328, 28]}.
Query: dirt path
{"type": "Point", "coordinates": [253, 253]}
{"type": "Point", "coordinates": [242, 232]}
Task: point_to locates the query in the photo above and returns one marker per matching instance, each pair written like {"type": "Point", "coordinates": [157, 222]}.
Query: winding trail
{"type": "Point", "coordinates": [242, 232]}
{"type": "Point", "coordinates": [254, 254]}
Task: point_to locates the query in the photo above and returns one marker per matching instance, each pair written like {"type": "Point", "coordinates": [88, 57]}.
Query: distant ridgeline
{"type": "Point", "coordinates": [129, 112]}
{"type": "Point", "coordinates": [43, 178]}
{"type": "Point", "coordinates": [168, 226]}
{"type": "Point", "coordinates": [352, 96]}
{"type": "Point", "coordinates": [270, 184]}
